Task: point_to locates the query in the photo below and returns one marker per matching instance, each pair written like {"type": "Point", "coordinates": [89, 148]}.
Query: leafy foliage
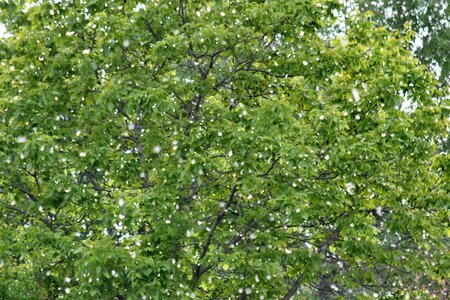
{"type": "Point", "coordinates": [216, 149]}
{"type": "Point", "coordinates": [429, 19]}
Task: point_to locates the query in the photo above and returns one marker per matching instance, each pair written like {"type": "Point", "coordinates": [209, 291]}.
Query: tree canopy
{"type": "Point", "coordinates": [428, 18]}
{"type": "Point", "coordinates": [217, 150]}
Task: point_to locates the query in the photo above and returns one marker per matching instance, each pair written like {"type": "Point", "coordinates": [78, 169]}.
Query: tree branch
{"type": "Point", "coordinates": [200, 270]}
{"type": "Point", "coordinates": [294, 287]}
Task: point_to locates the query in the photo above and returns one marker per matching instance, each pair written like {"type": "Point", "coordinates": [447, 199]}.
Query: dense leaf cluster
{"type": "Point", "coordinates": [428, 18]}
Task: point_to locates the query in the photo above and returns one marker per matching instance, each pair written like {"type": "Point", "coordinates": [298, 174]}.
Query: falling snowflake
{"type": "Point", "coordinates": [156, 149]}
{"type": "Point", "coordinates": [21, 139]}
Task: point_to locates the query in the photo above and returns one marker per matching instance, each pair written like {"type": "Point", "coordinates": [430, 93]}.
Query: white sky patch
{"type": "Point", "coordinates": [3, 32]}
{"type": "Point", "coordinates": [379, 210]}
{"type": "Point", "coordinates": [355, 94]}
{"type": "Point", "coordinates": [139, 7]}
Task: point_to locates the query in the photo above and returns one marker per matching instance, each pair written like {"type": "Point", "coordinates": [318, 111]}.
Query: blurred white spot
{"type": "Point", "coordinates": [379, 210]}
{"type": "Point", "coordinates": [355, 94]}
{"type": "Point", "coordinates": [21, 139]}
{"type": "Point", "coordinates": [156, 149]}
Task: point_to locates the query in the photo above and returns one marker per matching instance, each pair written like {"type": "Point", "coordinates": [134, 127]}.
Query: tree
{"type": "Point", "coordinates": [429, 19]}
{"type": "Point", "coordinates": [216, 150]}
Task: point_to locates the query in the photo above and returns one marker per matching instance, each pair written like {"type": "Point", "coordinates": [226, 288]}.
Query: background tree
{"type": "Point", "coordinates": [428, 18]}
{"type": "Point", "coordinates": [216, 149]}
